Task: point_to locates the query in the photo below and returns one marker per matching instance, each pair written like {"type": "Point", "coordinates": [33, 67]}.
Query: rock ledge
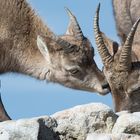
{"type": "Point", "coordinates": [84, 122]}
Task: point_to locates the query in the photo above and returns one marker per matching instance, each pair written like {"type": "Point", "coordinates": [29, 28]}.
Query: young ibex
{"type": "Point", "coordinates": [120, 68]}
{"type": "Point", "coordinates": [28, 46]}
{"type": "Point", "coordinates": [126, 13]}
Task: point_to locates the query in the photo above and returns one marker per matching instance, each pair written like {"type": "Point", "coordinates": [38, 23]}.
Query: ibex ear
{"type": "Point", "coordinates": [42, 46]}
{"type": "Point", "coordinates": [110, 44]}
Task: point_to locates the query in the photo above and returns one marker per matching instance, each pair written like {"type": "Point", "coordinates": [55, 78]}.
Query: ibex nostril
{"type": "Point", "coordinates": [106, 85]}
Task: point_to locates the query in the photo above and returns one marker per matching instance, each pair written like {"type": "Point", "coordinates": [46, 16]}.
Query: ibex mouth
{"type": "Point", "coordinates": [106, 85]}
{"type": "Point", "coordinates": [106, 89]}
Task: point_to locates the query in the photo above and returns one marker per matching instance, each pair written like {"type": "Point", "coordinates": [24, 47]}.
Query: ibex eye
{"type": "Point", "coordinates": [74, 71]}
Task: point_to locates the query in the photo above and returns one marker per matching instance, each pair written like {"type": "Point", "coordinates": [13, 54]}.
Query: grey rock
{"type": "Point", "coordinates": [77, 122]}
{"type": "Point", "coordinates": [93, 121]}
{"type": "Point", "coordinates": [28, 129]}
{"type": "Point", "coordinates": [95, 136]}
{"type": "Point", "coordinates": [19, 130]}
{"type": "Point", "coordinates": [128, 123]}
{"type": "Point", "coordinates": [122, 113]}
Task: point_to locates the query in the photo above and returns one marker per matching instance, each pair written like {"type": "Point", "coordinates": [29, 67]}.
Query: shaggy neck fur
{"type": "Point", "coordinates": [19, 29]}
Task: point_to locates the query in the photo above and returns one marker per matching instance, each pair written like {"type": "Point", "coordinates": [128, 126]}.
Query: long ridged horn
{"type": "Point", "coordinates": [125, 57]}
{"type": "Point", "coordinates": [103, 51]}
{"type": "Point", "coordinates": [74, 27]}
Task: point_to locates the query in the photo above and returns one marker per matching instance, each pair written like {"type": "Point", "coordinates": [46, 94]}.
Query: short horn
{"type": "Point", "coordinates": [125, 57]}
{"type": "Point", "coordinates": [74, 27]}
{"type": "Point", "coordinates": [103, 51]}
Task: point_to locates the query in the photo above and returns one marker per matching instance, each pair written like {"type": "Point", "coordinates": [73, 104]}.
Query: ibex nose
{"type": "Point", "coordinates": [105, 85]}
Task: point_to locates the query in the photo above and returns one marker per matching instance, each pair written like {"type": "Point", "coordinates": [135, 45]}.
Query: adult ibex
{"type": "Point", "coordinates": [120, 68]}
{"type": "Point", "coordinates": [28, 46]}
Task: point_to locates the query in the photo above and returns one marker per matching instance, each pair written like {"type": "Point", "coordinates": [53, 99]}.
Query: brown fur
{"type": "Point", "coordinates": [45, 58]}
{"type": "Point", "coordinates": [19, 52]}
{"type": "Point", "coordinates": [124, 85]}
{"type": "Point", "coordinates": [126, 13]}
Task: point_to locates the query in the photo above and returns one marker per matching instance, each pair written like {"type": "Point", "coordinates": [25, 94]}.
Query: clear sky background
{"type": "Point", "coordinates": [26, 97]}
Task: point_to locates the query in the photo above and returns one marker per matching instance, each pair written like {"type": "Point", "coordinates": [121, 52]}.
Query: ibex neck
{"type": "Point", "coordinates": [33, 65]}
{"type": "Point", "coordinates": [32, 62]}
{"type": "Point", "coordinates": [118, 100]}
{"type": "Point", "coordinates": [122, 102]}
{"type": "Point", "coordinates": [19, 52]}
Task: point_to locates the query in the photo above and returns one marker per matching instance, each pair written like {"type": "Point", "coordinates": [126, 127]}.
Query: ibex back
{"type": "Point", "coordinates": [28, 46]}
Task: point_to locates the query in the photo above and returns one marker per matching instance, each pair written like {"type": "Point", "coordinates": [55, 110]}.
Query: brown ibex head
{"type": "Point", "coordinates": [70, 59]}
{"type": "Point", "coordinates": [119, 69]}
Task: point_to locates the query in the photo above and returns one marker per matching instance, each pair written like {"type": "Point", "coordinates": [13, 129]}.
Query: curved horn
{"type": "Point", "coordinates": [74, 27]}
{"type": "Point", "coordinates": [104, 53]}
{"type": "Point", "coordinates": [125, 57]}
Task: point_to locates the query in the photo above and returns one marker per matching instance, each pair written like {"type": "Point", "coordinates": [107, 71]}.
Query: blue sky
{"type": "Point", "coordinates": [26, 97]}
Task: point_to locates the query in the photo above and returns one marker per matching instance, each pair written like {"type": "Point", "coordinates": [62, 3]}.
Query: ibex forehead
{"type": "Point", "coordinates": [80, 59]}
{"type": "Point", "coordinates": [71, 39]}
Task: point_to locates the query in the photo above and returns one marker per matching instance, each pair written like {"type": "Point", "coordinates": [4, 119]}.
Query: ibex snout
{"type": "Point", "coordinates": [105, 85]}
{"type": "Point", "coordinates": [105, 88]}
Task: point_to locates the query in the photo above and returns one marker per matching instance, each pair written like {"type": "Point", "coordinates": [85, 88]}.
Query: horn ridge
{"type": "Point", "coordinates": [125, 57]}
{"type": "Point", "coordinates": [105, 55]}
{"type": "Point", "coordinates": [130, 37]}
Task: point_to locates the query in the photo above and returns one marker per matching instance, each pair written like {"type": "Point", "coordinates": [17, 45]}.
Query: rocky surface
{"type": "Point", "coordinates": [120, 136]}
{"type": "Point", "coordinates": [77, 122]}
{"type": "Point", "coordinates": [93, 121]}
{"type": "Point", "coordinates": [127, 123]}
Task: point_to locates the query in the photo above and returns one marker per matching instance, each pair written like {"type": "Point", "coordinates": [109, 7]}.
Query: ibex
{"type": "Point", "coordinates": [126, 13]}
{"type": "Point", "coordinates": [121, 69]}
{"type": "Point", "coordinates": [28, 46]}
